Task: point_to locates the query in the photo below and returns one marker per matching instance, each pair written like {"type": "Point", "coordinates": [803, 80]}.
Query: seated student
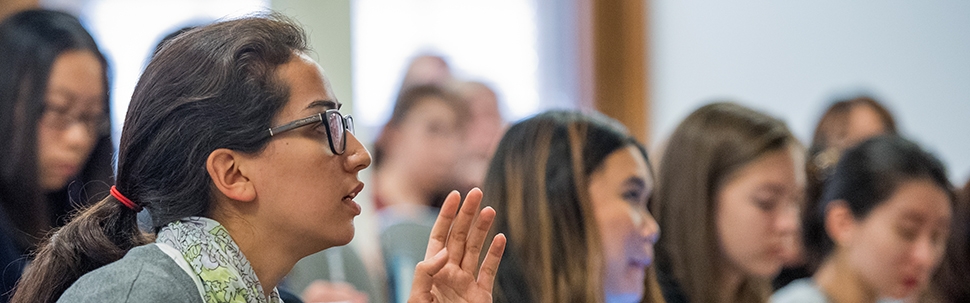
{"type": "Point", "coordinates": [729, 190]}
{"type": "Point", "coordinates": [843, 125]}
{"type": "Point", "coordinates": [575, 188]}
{"type": "Point", "coordinates": [881, 227]}
{"type": "Point", "coordinates": [54, 130]}
{"type": "Point", "coordinates": [235, 143]}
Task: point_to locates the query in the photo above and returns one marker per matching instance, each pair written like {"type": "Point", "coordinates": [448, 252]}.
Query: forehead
{"type": "Point", "coordinates": [918, 200]}
{"type": "Point", "coordinates": [77, 75]}
{"type": "Point", "coordinates": [776, 167]}
{"type": "Point", "coordinates": [309, 87]}
{"type": "Point", "coordinates": [626, 162]}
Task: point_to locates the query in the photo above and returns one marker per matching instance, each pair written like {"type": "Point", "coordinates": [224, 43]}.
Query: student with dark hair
{"type": "Point", "coordinates": [880, 228]}
{"type": "Point", "coordinates": [54, 130]}
{"type": "Point", "coordinates": [576, 189]}
{"type": "Point", "coordinates": [844, 124]}
{"type": "Point", "coordinates": [235, 144]}
{"type": "Point", "coordinates": [730, 186]}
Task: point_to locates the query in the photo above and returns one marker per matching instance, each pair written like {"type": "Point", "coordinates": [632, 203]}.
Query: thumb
{"type": "Point", "coordinates": [423, 274]}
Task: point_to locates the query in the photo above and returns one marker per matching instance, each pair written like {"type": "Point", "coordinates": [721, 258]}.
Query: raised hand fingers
{"type": "Point", "coordinates": [476, 238]}
{"type": "Point", "coordinates": [486, 276]}
{"type": "Point", "coordinates": [459, 231]}
{"type": "Point", "coordinates": [442, 225]}
{"type": "Point", "coordinates": [423, 277]}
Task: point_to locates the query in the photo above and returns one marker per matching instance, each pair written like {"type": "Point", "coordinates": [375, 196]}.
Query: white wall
{"type": "Point", "coordinates": [790, 58]}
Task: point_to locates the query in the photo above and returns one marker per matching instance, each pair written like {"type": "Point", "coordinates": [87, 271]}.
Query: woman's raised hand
{"type": "Point", "coordinates": [450, 272]}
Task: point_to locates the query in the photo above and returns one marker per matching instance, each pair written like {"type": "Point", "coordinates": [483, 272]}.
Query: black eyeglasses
{"type": "Point", "coordinates": [337, 127]}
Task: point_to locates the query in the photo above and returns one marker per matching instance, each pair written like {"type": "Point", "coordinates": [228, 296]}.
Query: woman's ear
{"type": "Point", "coordinates": [839, 222]}
{"type": "Point", "coordinates": [224, 169]}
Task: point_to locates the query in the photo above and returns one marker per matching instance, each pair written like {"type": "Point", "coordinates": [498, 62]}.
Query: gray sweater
{"type": "Point", "coordinates": [145, 274]}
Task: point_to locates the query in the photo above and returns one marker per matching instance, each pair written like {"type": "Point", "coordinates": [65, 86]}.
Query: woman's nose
{"type": "Point", "coordinates": [358, 158]}
{"type": "Point", "coordinates": [649, 227]}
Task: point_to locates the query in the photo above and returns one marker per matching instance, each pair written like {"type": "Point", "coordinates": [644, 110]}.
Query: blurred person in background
{"type": "Point", "coordinates": [950, 284]}
{"type": "Point", "coordinates": [54, 129]}
{"type": "Point", "coordinates": [844, 124]}
{"type": "Point", "coordinates": [484, 129]}
{"type": "Point", "coordinates": [575, 188]}
{"type": "Point", "coordinates": [729, 189]}
{"type": "Point", "coordinates": [414, 157]}
{"type": "Point", "coordinates": [881, 228]}
{"type": "Point", "coordinates": [415, 152]}
{"type": "Point", "coordinates": [427, 69]}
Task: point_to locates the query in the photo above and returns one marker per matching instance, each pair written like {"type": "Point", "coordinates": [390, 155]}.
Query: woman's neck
{"type": "Point", "coordinates": [270, 259]}
{"type": "Point", "coordinates": [840, 284]}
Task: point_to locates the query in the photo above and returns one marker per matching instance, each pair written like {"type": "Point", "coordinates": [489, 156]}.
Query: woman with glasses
{"type": "Point", "coordinates": [234, 143]}
{"type": "Point", "coordinates": [574, 190]}
{"type": "Point", "coordinates": [54, 131]}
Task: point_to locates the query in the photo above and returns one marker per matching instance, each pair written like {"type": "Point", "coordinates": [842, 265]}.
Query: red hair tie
{"type": "Point", "coordinates": [124, 200]}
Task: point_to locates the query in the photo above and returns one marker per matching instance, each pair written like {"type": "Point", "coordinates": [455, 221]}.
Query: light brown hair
{"type": "Point", "coordinates": [704, 151]}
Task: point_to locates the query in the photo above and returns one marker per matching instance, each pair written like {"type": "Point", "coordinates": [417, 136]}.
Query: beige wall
{"type": "Point", "coordinates": [327, 23]}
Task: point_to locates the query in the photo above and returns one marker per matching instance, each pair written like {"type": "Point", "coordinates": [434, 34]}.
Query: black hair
{"type": "Point", "coordinates": [30, 42]}
{"type": "Point", "coordinates": [865, 177]}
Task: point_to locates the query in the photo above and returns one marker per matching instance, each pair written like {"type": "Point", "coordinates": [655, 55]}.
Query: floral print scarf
{"type": "Point", "coordinates": [225, 273]}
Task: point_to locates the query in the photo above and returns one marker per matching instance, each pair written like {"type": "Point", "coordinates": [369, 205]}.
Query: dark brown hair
{"type": "Point", "coordinates": [950, 282]}
{"type": "Point", "coordinates": [213, 87]}
{"type": "Point", "coordinates": [30, 42]}
{"type": "Point", "coordinates": [703, 152]}
{"type": "Point", "coordinates": [539, 178]}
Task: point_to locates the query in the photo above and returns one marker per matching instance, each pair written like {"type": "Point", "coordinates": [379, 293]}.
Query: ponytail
{"type": "Point", "coordinates": [96, 236]}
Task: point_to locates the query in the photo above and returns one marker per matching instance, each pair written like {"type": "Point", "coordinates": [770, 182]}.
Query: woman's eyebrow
{"type": "Point", "coordinates": [325, 104]}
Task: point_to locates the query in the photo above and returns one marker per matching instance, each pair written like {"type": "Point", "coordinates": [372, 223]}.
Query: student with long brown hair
{"type": "Point", "coordinates": [729, 189]}
{"type": "Point", "coordinates": [575, 189]}
{"type": "Point", "coordinates": [235, 144]}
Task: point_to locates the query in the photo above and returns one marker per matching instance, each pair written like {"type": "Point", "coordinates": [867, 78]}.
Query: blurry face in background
{"type": "Point", "coordinates": [74, 112]}
{"type": "Point", "coordinates": [864, 123]}
{"type": "Point", "coordinates": [619, 191]}
{"type": "Point", "coordinates": [897, 247]}
{"type": "Point", "coordinates": [757, 213]}
{"type": "Point", "coordinates": [427, 143]}
{"type": "Point", "coordinates": [482, 135]}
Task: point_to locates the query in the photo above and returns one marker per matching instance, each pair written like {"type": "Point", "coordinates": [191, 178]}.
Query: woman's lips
{"type": "Point", "coordinates": [349, 198]}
